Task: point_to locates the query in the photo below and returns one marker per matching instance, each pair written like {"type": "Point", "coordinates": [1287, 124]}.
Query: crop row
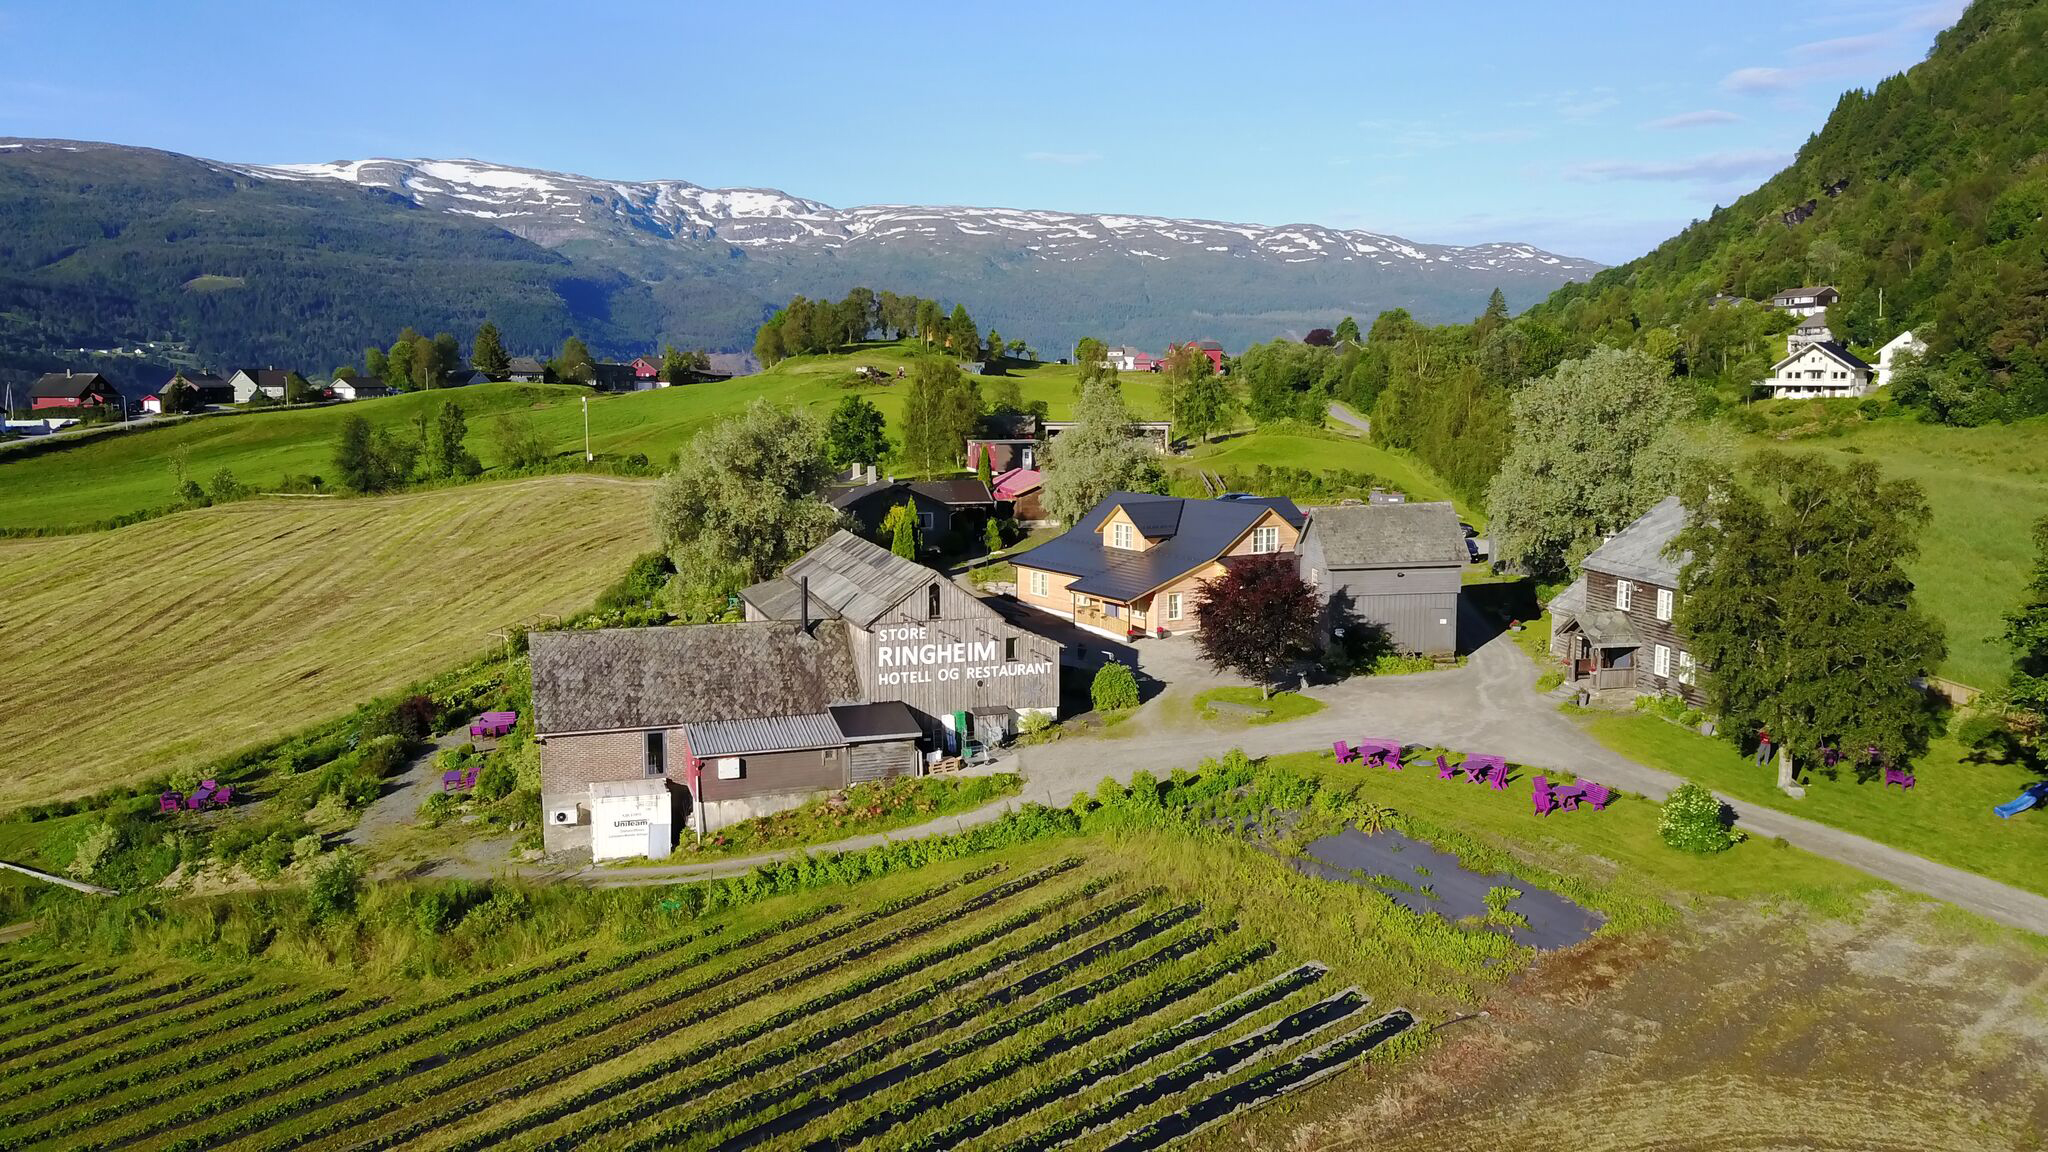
{"type": "Point", "coordinates": [151, 1001]}
{"type": "Point", "coordinates": [307, 1047]}
{"type": "Point", "coordinates": [1298, 1073]}
{"type": "Point", "coordinates": [169, 1032]}
{"type": "Point", "coordinates": [398, 1041]}
{"type": "Point", "coordinates": [1218, 1061]}
{"type": "Point", "coordinates": [11, 970]}
{"type": "Point", "coordinates": [239, 1046]}
{"type": "Point", "coordinates": [594, 1025]}
{"type": "Point", "coordinates": [1194, 1028]}
{"type": "Point", "coordinates": [817, 1076]}
{"type": "Point", "coordinates": [986, 1071]}
{"type": "Point", "coordinates": [612, 1089]}
{"type": "Point", "coordinates": [44, 978]}
{"type": "Point", "coordinates": [557, 1073]}
{"type": "Point", "coordinates": [58, 1000]}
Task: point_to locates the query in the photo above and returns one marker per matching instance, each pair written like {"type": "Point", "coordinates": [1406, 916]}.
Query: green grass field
{"type": "Point", "coordinates": [1986, 487]}
{"type": "Point", "coordinates": [1946, 817]}
{"type": "Point", "coordinates": [180, 639]}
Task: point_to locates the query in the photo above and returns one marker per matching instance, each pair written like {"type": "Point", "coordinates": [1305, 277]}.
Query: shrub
{"type": "Point", "coordinates": [1693, 820]}
{"type": "Point", "coordinates": [1549, 680]}
{"type": "Point", "coordinates": [439, 806]}
{"type": "Point", "coordinates": [495, 781]}
{"type": "Point", "coordinates": [1115, 687]}
{"type": "Point", "coordinates": [306, 848]}
{"type": "Point", "coordinates": [409, 719]}
{"type": "Point", "coordinates": [92, 852]}
{"type": "Point", "coordinates": [335, 883]}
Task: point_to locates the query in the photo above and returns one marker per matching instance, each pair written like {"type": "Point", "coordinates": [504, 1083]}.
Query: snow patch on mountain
{"type": "Point", "coordinates": [555, 207]}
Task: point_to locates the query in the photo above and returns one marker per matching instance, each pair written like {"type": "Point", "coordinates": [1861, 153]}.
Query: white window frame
{"type": "Point", "coordinates": [1037, 584]}
{"type": "Point", "coordinates": [1120, 535]}
{"type": "Point", "coordinates": [1660, 661]}
{"type": "Point", "coordinates": [924, 521]}
{"type": "Point", "coordinates": [1664, 600]}
{"type": "Point", "coordinates": [1265, 540]}
{"type": "Point", "coordinates": [1622, 590]}
{"type": "Point", "coordinates": [1687, 670]}
{"type": "Point", "coordinates": [1173, 605]}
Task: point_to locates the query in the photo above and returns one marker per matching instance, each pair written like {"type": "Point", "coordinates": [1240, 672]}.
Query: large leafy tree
{"type": "Point", "coordinates": [1091, 359]}
{"type": "Point", "coordinates": [1595, 445]}
{"type": "Point", "coordinates": [446, 455]}
{"type": "Point", "coordinates": [854, 434]}
{"type": "Point", "coordinates": [487, 355]}
{"type": "Point", "coordinates": [1796, 604]}
{"type": "Point", "coordinates": [742, 501]}
{"type": "Point", "coordinates": [573, 364]}
{"type": "Point", "coordinates": [1097, 456]}
{"type": "Point", "coordinates": [2026, 630]}
{"type": "Point", "coordinates": [941, 409]}
{"type": "Point", "coordinates": [1256, 618]}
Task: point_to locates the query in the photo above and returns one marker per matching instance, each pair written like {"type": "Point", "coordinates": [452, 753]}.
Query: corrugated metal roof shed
{"type": "Point", "coordinates": [765, 734]}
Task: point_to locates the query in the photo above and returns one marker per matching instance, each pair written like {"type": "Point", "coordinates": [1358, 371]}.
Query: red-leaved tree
{"type": "Point", "coordinates": [1256, 618]}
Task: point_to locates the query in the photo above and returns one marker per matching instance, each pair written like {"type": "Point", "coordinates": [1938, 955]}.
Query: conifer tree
{"type": "Point", "coordinates": [487, 355]}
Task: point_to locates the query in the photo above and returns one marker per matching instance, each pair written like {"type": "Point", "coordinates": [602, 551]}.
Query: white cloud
{"type": "Point", "coordinates": [1714, 168]}
{"type": "Point", "coordinates": [1066, 158]}
{"type": "Point", "coordinates": [1842, 46]}
{"type": "Point", "coordinates": [1748, 80]}
{"type": "Point", "coordinates": [1698, 119]}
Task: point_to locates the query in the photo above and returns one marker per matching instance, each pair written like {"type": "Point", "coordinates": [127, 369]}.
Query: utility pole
{"type": "Point", "coordinates": [587, 457]}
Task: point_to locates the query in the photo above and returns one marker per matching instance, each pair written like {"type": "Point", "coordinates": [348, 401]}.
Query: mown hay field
{"type": "Point", "coordinates": [171, 642]}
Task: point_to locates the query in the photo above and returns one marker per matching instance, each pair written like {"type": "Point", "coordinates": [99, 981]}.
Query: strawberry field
{"type": "Point", "coordinates": [1047, 998]}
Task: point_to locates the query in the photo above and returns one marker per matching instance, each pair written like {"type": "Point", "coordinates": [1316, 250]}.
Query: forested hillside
{"type": "Point", "coordinates": [1921, 200]}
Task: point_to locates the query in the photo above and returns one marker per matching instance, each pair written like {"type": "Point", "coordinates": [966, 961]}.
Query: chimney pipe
{"type": "Point", "coordinates": [871, 473]}
{"type": "Point", "coordinates": [803, 585]}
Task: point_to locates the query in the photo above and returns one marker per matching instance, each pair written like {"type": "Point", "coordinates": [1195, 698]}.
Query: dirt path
{"type": "Point", "coordinates": [396, 807]}
{"type": "Point", "coordinates": [1351, 420]}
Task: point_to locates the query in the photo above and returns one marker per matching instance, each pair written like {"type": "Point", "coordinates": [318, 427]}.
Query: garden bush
{"type": "Point", "coordinates": [1694, 820]}
{"type": "Point", "coordinates": [1115, 687]}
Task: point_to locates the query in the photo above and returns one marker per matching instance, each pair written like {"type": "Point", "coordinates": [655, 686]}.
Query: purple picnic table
{"type": "Point", "coordinates": [1381, 753]}
{"type": "Point", "coordinates": [494, 724]}
{"type": "Point", "coordinates": [1477, 767]}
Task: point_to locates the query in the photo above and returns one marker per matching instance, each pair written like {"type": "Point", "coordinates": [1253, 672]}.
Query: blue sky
{"type": "Point", "coordinates": [1595, 129]}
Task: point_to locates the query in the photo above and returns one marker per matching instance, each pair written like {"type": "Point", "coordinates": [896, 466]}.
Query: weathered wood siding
{"type": "Point", "coordinates": [881, 761]}
{"type": "Point", "coordinates": [997, 665]}
{"type": "Point", "coordinates": [1642, 615]}
{"type": "Point", "coordinates": [1418, 606]}
{"type": "Point", "coordinates": [774, 773]}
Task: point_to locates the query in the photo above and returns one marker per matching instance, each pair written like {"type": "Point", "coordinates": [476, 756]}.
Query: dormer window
{"type": "Point", "coordinates": [1120, 535]}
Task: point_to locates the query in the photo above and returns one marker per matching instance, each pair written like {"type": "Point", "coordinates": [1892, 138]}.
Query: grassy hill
{"type": "Point", "coordinates": [1986, 487]}
{"type": "Point", "coordinates": [166, 643]}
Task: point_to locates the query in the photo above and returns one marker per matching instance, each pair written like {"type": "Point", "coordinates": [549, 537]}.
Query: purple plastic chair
{"type": "Point", "coordinates": [1544, 802]}
{"type": "Point", "coordinates": [223, 795]}
{"type": "Point", "coordinates": [1598, 795]}
{"type": "Point", "coordinates": [170, 802]}
{"type": "Point", "coordinates": [1345, 752]}
{"type": "Point", "coordinates": [1899, 776]}
{"type": "Point", "coordinates": [1444, 769]}
{"type": "Point", "coordinates": [1497, 777]}
{"type": "Point", "coordinates": [197, 799]}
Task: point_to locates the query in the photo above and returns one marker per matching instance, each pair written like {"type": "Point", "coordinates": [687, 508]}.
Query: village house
{"type": "Point", "coordinates": [360, 388]}
{"type": "Point", "coordinates": [608, 377]}
{"type": "Point", "coordinates": [646, 373]}
{"type": "Point", "coordinates": [845, 666]}
{"type": "Point", "coordinates": [271, 382]}
{"type": "Point", "coordinates": [69, 389]}
{"type": "Point", "coordinates": [1003, 455]}
{"type": "Point", "coordinates": [1397, 567]}
{"type": "Point", "coordinates": [207, 390]}
{"type": "Point", "coordinates": [954, 504]}
{"type": "Point", "coordinates": [1210, 348]}
{"type": "Point", "coordinates": [1806, 301]}
{"type": "Point", "coordinates": [1133, 564]}
{"type": "Point", "coordinates": [1824, 370]}
{"type": "Point", "coordinates": [463, 376]}
{"type": "Point", "coordinates": [525, 370]}
{"type": "Point", "coordinates": [1888, 355]}
{"type": "Point", "coordinates": [1021, 492]}
{"type": "Point", "coordinates": [1613, 627]}
{"type": "Point", "coordinates": [1157, 434]}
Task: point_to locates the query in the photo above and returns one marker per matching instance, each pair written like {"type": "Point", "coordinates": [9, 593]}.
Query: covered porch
{"type": "Point", "coordinates": [1121, 619]}
{"type": "Point", "coordinates": [1600, 650]}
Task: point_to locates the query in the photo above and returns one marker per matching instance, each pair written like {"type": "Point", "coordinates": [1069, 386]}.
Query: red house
{"type": "Point", "coordinates": [1211, 349]}
{"type": "Point", "coordinates": [68, 389]}
{"type": "Point", "coordinates": [645, 373]}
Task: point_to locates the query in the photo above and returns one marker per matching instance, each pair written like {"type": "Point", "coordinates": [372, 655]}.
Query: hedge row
{"type": "Point", "coordinates": [589, 1027]}
{"type": "Point", "coordinates": [989, 1072]}
{"type": "Point", "coordinates": [1115, 1064]}
{"type": "Point", "coordinates": [817, 1076]}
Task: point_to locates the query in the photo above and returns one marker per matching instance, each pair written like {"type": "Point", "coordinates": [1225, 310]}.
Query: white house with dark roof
{"type": "Point", "coordinates": [1887, 356]}
{"type": "Point", "coordinates": [1806, 301]}
{"type": "Point", "coordinates": [1825, 370]}
{"type": "Point", "coordinates": [1398, 567]}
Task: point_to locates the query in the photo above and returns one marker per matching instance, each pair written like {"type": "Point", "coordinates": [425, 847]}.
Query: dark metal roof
{"type": "Point", "coordinates": [958, 491]}
{"type": "Point", "coordinates": [885, 720]}
{"type": "Point", "coordinates": [767, 734]}
{"type": "Point", "coordinates": [524, 366]}
{"type": "Point", "coordinates": [54, 384]}
{"type": "Point", "coordinates": [844, 497]}
{"type": "Point", "coordinates": [1389, 535]}
{"type": "Point", "coordinates": [1201, 531]}
{"type": "Point", "coordinates": [624, 678]}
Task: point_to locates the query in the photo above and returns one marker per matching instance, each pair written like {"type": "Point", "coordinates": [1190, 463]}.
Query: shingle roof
{"type": "Point", "coordinates": [524, 366]}
{"type": "Point", "coordinates": [882, 720]}
{"type": "Point", "coordinates": [1201, 531]}
{"type": "Point", "coordinates": [844, 497]}
{"type": "Point", "coordinates": [850, 578]}
{"type": "Point", "coordinates": [1389, 535]}
{"type": "Point", "coordinates": [767, 734]}
{"type": "Point", "coordinates": [52, 384]}
{"type": "Point", "coordinates": [1637, 551]}
{"type": "Point", "coordinates": [623, 678]}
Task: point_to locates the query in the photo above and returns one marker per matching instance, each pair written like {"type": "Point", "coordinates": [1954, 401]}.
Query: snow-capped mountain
{"type": "Point", "coordinates": [552, 208]}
